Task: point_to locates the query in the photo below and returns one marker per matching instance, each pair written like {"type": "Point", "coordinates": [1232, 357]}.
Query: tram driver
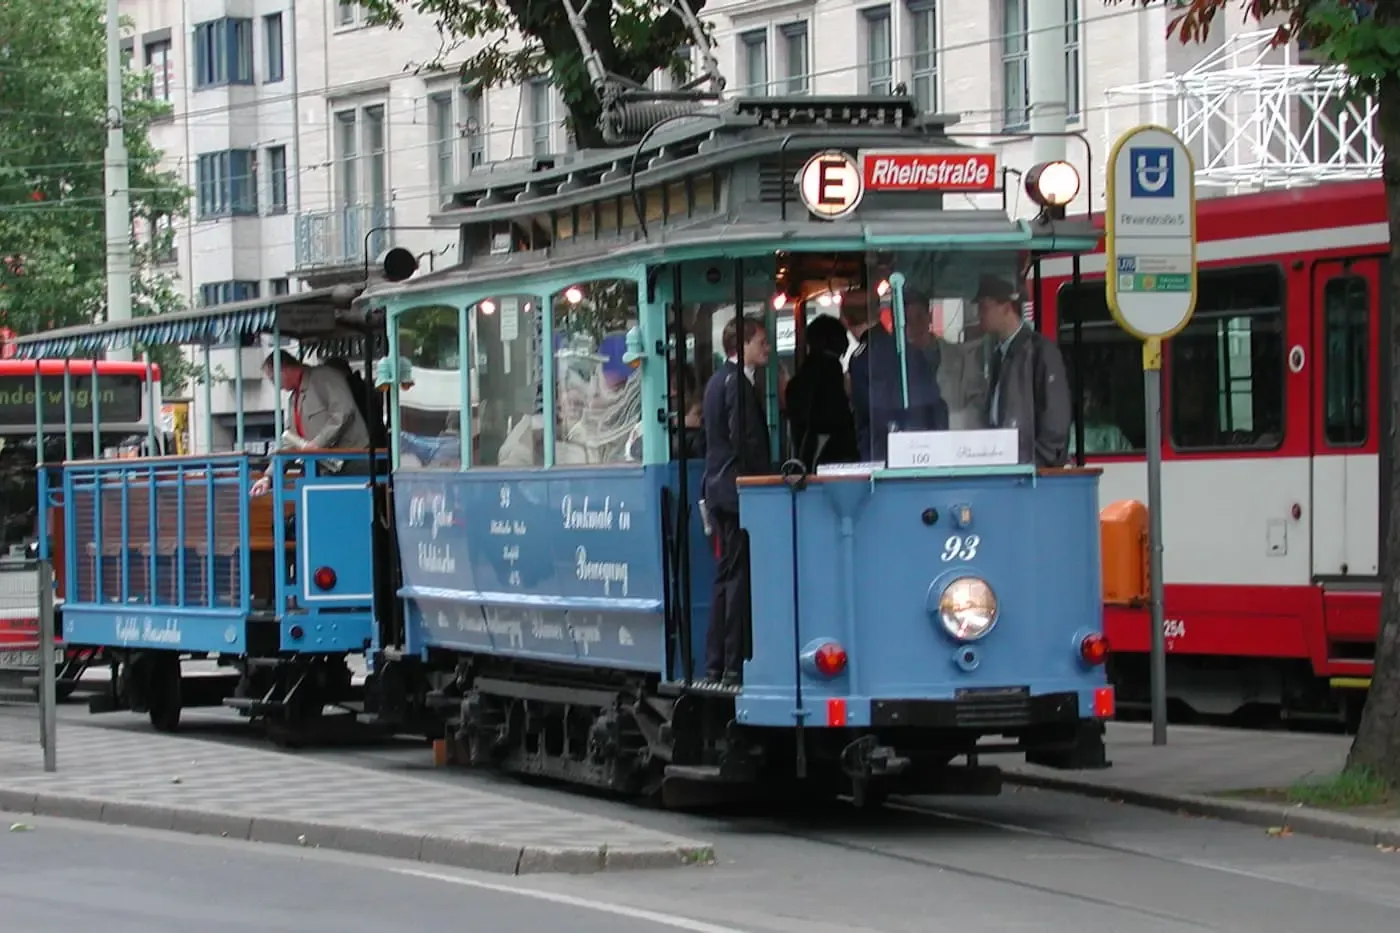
{"type": "Point", "coordinates": [324, 416]}
{"type": "Point", "coordinates": [1026, 385]}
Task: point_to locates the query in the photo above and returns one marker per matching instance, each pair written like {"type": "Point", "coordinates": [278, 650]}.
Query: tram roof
{"type": "Point", "coordinates": [320, 315]}
{"type": "Point", "coordinates": [745, 154]}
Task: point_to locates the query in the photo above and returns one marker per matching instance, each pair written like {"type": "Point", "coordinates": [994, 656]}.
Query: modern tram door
{"type": "Point", "coordinates": [1345, 430]}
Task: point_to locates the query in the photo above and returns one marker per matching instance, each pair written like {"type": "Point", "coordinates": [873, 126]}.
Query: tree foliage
{"type": "Point", "coordinates": [516, 40]}
{"type": "Point", "coordinates": [53, 136]}
{"type": "Point", "coordinates": [1364, 36]}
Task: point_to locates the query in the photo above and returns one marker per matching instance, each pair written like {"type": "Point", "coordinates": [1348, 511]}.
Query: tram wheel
{"type": "Point", "coordinates": [163, 694]}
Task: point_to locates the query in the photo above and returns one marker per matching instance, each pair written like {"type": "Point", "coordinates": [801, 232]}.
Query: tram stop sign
{"type": "Point", "coordinates": [1150, 233]}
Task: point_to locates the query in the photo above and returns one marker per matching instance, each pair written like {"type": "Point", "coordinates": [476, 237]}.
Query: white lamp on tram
{"type": "Point", "coordinates": [1053, 185]}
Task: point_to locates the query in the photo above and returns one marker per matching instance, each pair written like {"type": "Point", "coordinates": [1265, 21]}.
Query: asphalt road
{"type": "Point", "coordinates": [1028, 860]}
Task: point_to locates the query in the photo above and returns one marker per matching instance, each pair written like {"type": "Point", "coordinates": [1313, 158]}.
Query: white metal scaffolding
{"type": "Point", "coordinates": [1255, 116]}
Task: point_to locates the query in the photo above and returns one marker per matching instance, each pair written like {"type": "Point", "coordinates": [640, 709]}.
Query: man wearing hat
{"type": "Point", "coordinates": [1026, 385]}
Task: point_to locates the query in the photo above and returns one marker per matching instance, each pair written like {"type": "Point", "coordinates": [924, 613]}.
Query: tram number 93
{"type": "Point", "coordinates": [960, 547]}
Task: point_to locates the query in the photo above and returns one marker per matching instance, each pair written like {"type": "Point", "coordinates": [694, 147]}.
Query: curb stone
{"type": "Point", "coordinates": [1308, 821]}
{"type": "Point", "coordinates": [496, 857]}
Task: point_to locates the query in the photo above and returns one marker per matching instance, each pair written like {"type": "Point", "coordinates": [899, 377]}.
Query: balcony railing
{"type": "Point", "coordinates": [333, 238]}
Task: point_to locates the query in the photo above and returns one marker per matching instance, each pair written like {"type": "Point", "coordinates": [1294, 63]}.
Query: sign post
{"type": "Point", "coordinates": [1151, 289]}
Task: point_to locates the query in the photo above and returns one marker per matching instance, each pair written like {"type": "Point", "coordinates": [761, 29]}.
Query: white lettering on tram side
{"type": "Point", "coordinates": [585, 519]}
{"type": "Point", "coordinates": [1174, 628]}
{"type": "Point", "coordinates": [606, 572]}
{"type": "Point", "coordinates": [436, 558]}
{"type": "Point", "coordinates": [960, 547]}
{"type": "Point", "coordinates": [585, 635]}
{"type": "Point", "coordinates": [143, 629]}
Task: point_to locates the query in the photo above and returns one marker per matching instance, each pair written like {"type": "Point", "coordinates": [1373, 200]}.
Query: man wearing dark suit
{"type": "Point", "coordinates": [324, 416]}
{"type": "Point", "coordinates": [736, 444]}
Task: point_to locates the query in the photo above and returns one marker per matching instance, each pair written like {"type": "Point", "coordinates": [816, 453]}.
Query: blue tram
{"type": "Point", "coordinates": [909, 614]}
{"type": "Point", "coordinates": [166, 559]}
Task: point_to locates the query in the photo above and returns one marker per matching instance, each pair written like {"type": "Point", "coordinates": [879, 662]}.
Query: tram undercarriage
{"type": "Point", "coordinates": [630, 735]}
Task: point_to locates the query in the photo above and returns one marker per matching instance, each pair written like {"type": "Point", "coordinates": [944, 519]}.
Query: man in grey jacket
{"type": "Point", "coordinates": [323, 416]}
{"type": "Point", "coordinates": [1026, 385]}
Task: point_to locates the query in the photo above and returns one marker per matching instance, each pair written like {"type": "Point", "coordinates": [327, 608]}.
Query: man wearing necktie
{"type": "Point", "coordinates": [1026, 386]}
{"type": "Point", "coordinates": [324, 416]}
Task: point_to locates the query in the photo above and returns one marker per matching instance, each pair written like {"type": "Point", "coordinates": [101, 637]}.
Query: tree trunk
{"type": "Point", "coordinates": [1377, 745]}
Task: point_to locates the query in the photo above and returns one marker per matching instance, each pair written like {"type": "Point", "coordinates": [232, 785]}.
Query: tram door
{"type": "Point", "coordinates": [1345, 426]}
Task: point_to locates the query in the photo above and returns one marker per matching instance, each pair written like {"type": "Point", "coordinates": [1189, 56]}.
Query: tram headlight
{"type": "Point", "coordinates": [1052, 184]}
{"type": "Point", "coordinates": [968, 608]}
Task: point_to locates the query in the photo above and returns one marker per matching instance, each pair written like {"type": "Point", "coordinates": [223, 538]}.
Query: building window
{"type": "Point", "coordinates": [474, 126]}
{"type": "Point", "coordinates": [1015, 59]}
{"type": "Point", "coordinates": [272, 36]}
{"type": "Point", "coordinates": [923, 22]}
{"type": "Point", "coordinates": [160, 64]}
{"type": "Point", "coordinates": [444, 141]}
{"type": "Point", "coordinates": [226, 183]}
{"type": "Point", "coordinates": [222, 293]}
{"type": "Point", "coordinates": [541, 118]}
{"type": "Point", "coordinates": [1227, 366]}
{"type": "Point", "coordinates": [161, 239]}
{"type": "Point", "coordinates": [349, 14]}
{"type": "Point", "coordinates": [879, 51]}
{"type": "Point", "coordinates": [797, 67]}
{"type": "Point", "coordinates": [753, 52]}
{"type": "Point", "coordinates": [361, 157]}
{"type": "Point", "coordinates": [1346, 302]}
{"type": "Point", "coordinates": [223, 53]}
{"type": "Point", "coordinates": [276, 287]}
{"type": "Point", "coordinates": [1015, 64]}
{"type": "Point", "coordinates": [277, 180]}
{"type": "Point", "coordinates": [1073, 84]}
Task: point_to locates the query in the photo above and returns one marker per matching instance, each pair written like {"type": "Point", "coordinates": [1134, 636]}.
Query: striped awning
{"type": "Point", "coordinates": [319, 314]}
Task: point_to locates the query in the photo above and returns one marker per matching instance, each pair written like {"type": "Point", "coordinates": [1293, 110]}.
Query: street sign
{"type": "Point", "coordinates": [830, 185]}
{"type": "Point", "coordinates": [1150, 229]}
{"type": "Point", "coordinates": [1150, 277]}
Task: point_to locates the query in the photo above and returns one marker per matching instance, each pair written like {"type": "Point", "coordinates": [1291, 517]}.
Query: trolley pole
{"type": "Point", "coordinates": [118, 186]}
{"type": "Point", "coordinates": [1150, 285]}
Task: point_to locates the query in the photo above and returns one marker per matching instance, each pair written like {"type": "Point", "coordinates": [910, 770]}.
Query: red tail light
{"type": "Point", "coordinates": [830, 659]}
{"type": "Point", "coordinates": [324, 578]}
{"type": "Point", "coordinates": [1094, 649]}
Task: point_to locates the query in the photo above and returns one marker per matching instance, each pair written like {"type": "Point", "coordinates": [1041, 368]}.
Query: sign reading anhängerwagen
{"type": "Point", "coordinates": [1151, 233]}
{"type": "Point", "coordinates": [829, 184]}
{"type": "Point", "coordinates": [929, 170]}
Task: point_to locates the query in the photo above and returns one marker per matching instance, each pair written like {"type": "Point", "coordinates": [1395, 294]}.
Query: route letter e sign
{"type": "Point", "coordinates": [1151, 233]}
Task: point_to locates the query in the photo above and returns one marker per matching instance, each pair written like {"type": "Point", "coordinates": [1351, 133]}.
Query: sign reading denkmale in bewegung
{"type": "Point", "coordinates": [1151, 233]}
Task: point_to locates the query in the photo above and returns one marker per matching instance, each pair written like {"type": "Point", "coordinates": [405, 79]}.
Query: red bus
{"type": "Point", "coordinates": [1274, 409]}
{"type": "Point", "coordinates": [123, 407]}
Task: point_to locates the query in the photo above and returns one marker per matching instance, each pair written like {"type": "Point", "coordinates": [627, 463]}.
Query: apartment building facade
{"type": "Point", "coordinates": [307, 134]}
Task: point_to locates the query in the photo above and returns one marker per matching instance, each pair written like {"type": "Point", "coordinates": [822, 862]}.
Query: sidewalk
{"type": "Point", "coordinates": [1197, 764]}
{"type": "Point", "coordinates": [166, 782]}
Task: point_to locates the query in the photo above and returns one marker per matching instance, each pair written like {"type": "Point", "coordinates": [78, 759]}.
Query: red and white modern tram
{"type": "Point", "coordinates": [1273, 420]}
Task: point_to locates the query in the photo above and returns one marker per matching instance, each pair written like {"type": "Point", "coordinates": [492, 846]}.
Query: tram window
{"type": "Point", "coordinates": [507, 390]}
{"type": "Point", "coordinates": [1346, 324]}
{"type": "Point", "coordinates": [597, 396]}
{"type": "Point", "coordinates": [1227, 379]}
{"type": "Point", "coordinates": [430, 411]}
{"type": "Point", "coordinates": [1108, 363]}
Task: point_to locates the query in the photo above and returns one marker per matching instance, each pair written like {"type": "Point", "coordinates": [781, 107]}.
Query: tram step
{"type": "Point", "coordinates": [253, 706]}
{"type": "Point", "coordinates": [706, 774]}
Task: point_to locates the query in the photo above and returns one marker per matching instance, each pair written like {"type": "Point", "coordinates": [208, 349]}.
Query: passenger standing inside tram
{"type": "Point", "coordinates": [324, 416]}
{"type": "Point", "coordinates": [818, 408]}
{"type": "Point", "coordinates": [736, 444]}
{"type": "Point", "coordinates": [1026, 383]}
{"type": "Point", "coordinates": [877, 390]}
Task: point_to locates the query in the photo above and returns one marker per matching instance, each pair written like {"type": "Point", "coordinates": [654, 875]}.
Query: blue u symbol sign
{"type": "Point", "coordinates": [1151, 173]}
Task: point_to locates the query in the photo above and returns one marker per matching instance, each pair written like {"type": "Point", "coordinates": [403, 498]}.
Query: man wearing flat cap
{"type": "Point", "coordinates": [1026, 386]}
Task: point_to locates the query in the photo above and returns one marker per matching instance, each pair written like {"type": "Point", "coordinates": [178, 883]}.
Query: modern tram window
{"type": "Point", "coordinates": [1227, 378]}
{"type": "Point", "coordinates": [1109, 362]}
{"type": "Point", "coordinates": [1346, 302]}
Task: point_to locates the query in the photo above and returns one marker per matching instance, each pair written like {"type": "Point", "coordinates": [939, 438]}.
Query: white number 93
{"type": "Point", "coordinates": [958, 547]}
